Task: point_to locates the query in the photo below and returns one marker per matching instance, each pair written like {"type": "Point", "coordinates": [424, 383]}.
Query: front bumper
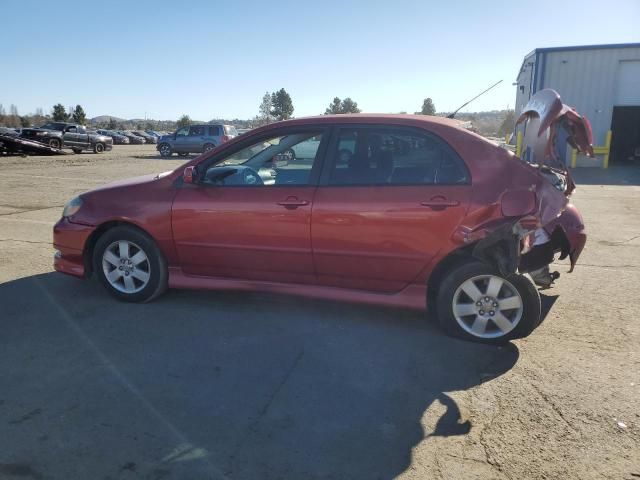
{"type": "Point", "coordinates": [69, 240]}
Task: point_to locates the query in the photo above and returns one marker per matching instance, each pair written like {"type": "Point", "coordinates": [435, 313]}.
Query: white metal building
{"type": "Point", "coordinates": [602, 82]}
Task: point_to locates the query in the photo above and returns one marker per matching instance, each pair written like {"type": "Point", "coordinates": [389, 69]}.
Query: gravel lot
{"type": "Point", "coordinates": [229, 385]}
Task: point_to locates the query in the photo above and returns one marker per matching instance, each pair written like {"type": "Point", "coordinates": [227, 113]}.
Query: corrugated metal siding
{"type": "Point", "coordinates": [525, 78]}
{"type": "Point", "coordinates": [587, 80]}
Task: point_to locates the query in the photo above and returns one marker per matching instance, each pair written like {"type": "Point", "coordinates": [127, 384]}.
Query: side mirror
{"type": "Point", "coordinates": [189, 175]}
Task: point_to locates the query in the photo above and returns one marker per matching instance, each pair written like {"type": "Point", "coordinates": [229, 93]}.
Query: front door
{"type": "Point", "coordinates": [71, 136]}
{"type": "Point", "coordinates": [389, 200]}
{"type": "Point", "coordinates": [248, 216]}
{"type": "Point", "coordinates": [181, 140]}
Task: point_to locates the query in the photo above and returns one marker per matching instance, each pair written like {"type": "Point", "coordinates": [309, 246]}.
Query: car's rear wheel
{"type": "Point", "coordinates": [130, 265]}
{"type": "Point", "coordinates": [165, 150]}
{"type": "Point", "coordinates": [54, 143]}
{"type": "Point", "coordinates": [208, 147]}
{"type": "Point", "coordinates": [475, 302]}
{"type": "Point", "coordinates": [98, 148]}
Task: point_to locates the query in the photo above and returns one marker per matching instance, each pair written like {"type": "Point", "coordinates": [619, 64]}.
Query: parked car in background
{"type": "Point", "coordinates": [71, 135]}
{"type": "Point", "coordinates": [421, 211]}
{"type": "Point", "coordinates": [154, 133]}
{"type": "Point", "coordinates": [195, 139]}
{"type": "Point", "coordinates": [12, 132]}
{"type": "Point", "coordinates": [147, 138]}
{"type": "Point", "coordinates": [117, 138]}
{"type": "Point", "coordinates": [133, 139]}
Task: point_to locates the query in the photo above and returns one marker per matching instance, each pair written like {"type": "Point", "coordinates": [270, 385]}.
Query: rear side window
{"type": "Point", "coordinates": [214, 131]}
{"type": "Point", "coordinates": [394, 156]}
{"type": "Point", "coordinates": [196, 131]}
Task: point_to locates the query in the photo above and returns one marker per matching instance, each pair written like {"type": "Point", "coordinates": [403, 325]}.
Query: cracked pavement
{"type": "Point", "coordinates": [237, 385]}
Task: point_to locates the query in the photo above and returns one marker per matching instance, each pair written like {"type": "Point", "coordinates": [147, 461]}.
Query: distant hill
{"type": "Point", "coordinates": [105, 119]}
{"type": "Point", "coordinates": [486, 123]}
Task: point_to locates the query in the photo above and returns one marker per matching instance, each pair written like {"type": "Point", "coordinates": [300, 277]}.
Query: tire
{"type": "Point", "coordinates": [165, 150]}
{"type": "Point", "coordinates": [482, 314]}
{"type": "Point", "coordinates": [141, 270]}
{"type": "Point", "coordinates": [208, 147]}
{"type": "Point", "coordinates": [98, 148]}
{"type": "Point", "coordinates": [77, 150]}
{"type": "Point", "coordinates": [55, 143]}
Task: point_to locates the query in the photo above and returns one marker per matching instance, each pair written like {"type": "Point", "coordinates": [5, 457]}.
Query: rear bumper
{"type": "Point", "coordinates": [69, 240]}
{"type": "Point", "coordinates": [570, 222]}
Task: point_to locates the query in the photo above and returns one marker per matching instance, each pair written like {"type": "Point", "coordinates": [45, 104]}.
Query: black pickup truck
{"type": "Point", "coordinates": [70, 135]}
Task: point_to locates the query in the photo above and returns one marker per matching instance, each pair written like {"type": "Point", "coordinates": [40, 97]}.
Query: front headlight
{"type": "Point", "coordinates": [72, 207]}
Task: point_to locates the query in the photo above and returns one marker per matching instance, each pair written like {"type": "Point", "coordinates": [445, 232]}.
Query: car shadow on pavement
{"type": "Point", "coordinates": [546, 304]}
{"type": "Point", "coordinates": [223, 384]}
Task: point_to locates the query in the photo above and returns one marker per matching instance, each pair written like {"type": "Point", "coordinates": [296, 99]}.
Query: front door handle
{"type": "Point", "coordinates": [293, 202]}
{"type": "Point", "coordinates": [440, 203]}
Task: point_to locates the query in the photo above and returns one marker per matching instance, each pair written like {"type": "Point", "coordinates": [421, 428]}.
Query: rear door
{"type": "Point", "coordinates": [389, 199]}
{"type": "Point", "coordinates": [196, 138]}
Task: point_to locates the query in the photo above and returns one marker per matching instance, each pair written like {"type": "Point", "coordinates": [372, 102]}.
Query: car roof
{"type": "Point", "coordinates": [373, 118]}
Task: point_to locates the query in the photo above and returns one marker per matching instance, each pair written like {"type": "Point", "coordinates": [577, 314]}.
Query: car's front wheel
{"type": "Point", "coordinates": [54, 143]}
{"type": "Point", "coordinates": [130, 265]}
{"type": "Point", "coordinates": [165, 150]}
{"type": "Point", "coordinates": [98, 148]}
{"type": "Point", "coordinates": [477, 303]}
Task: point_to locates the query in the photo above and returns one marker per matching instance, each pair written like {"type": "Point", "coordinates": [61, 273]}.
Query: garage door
{"type": "Point", "coordinates": [628, 88]}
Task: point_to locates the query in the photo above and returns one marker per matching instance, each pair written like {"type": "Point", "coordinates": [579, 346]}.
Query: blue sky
{"type": "Point", "coordinates": [213, 59]}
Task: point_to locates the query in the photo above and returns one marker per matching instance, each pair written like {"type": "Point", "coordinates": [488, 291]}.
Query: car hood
{"type": "Point", "coordinates": [24, 130]}
{"type": "Point", "coordinates": [127, 182]}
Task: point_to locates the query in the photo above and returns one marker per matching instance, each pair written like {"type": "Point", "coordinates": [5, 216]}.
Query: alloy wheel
{"type": "Point", "coordinates": [126, 266]}
{"type": "Point", "coordinates": [487, 306]}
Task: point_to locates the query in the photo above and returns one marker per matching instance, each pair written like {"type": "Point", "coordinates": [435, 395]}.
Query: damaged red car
{"type": "Point", "coordinates": [398, 210]}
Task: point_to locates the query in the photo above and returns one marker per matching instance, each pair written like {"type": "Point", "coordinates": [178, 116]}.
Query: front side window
{"type": "Point", "coordinates": [280, 160]}
{"type": "Point", "coordinates": [183, 132]}
{"type": "Point", "coordinates": [394, 156]}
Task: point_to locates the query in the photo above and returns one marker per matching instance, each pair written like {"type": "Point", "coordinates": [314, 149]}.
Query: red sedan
{"type": "Point", "coordinates": [400, 210]}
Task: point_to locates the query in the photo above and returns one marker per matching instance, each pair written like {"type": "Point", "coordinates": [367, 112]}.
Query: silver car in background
{"type": "Point", "coordinates": [195, 139]}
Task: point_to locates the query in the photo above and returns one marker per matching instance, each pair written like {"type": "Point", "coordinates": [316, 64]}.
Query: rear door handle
{"type": "Point", "coordinates": [440, 202]}
{"type": "Point", "coordinates": [293, 202]}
